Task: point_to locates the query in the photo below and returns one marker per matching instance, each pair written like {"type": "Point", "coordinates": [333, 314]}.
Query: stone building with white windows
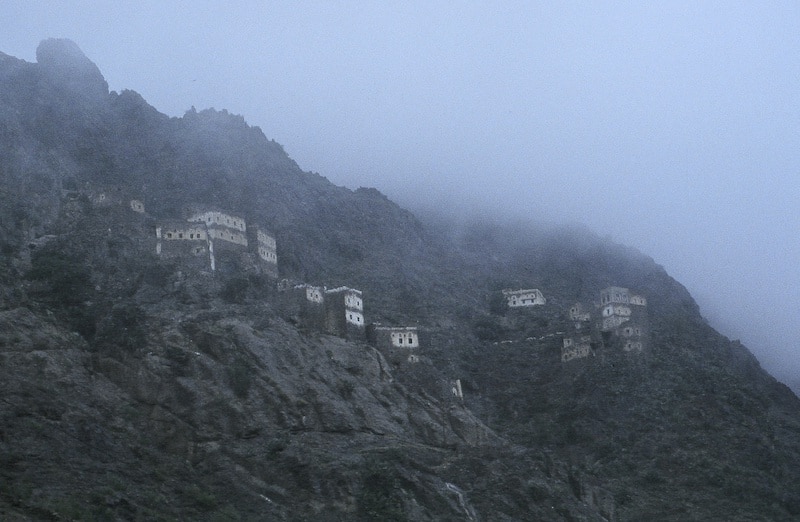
{"type": "Point", "coordinates": [393, 336]}
{"type": "Point", "coordinates": [398, 343]}
{"type": "Point", "coordinates": [338, 311]}
{"type": "Point", "coordinates": [618, 321]}
{"type": "Point", "coordinates": [225, 232]}
{"type": "Point", "coordinates": [217, 219]}
{"type": "Point", "coordinates": [579, 313]}
{"type": "Point", "coordinates": [305, 305]}
{"type": "Point", "coordinates": [522, 298]}
{"type": "Point", "coordinates": [613, 315]}
{"type": "Point", "coordinates": [211, 233]}
{"type": "Point", "coordinates": [620, 295]}
{"type": "Point", "coordinates": [344, 313]}
{"type": "Point", "coordinates": [632, 337]}
{"type": "Point", "coordinates": [614, 294]}
{"type": "Point", "coordinates": [182, 239]}
{"type": "Point", "coordinates": [576, 347]}
{"type": "Point", "coordinates": [580, 337]}
{"type": "Point", "coordinates": [266, 248]}
{"type": "Point", "coordinates": [623, 318]}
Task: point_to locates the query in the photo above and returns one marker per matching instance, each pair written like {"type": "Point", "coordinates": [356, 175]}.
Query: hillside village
{"type": "Point", "coordinates": [178, 295]}
{"type": "Point", "coordinates": [617, 320]}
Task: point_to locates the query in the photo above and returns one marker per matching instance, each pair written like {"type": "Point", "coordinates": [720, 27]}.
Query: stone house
{"type": "Point", "coordinates": [212, 232]}
{"type": "Point", "coordinates": [267, 250]}
{"type": "Point", "coordinates": [398, 343]}
{"type": "Point", "coordinates": [579, 313]}
{"type": "Point", "coordinates": [182, 239]}
{"type": "Point", "coordinates": [623, 318]}
{"type": "Point", "coordinates": [393, 336]}
{"type": "Point", "coordinates": [576, 347]}
{"type": "Point", "coordinates": [613, 315]}
{"type": "Point", "coordinates": [520, 298]}
{"type": "Point", "coordinates": [614, 294]}
{"type": "Point", "coordinates": [306, 304]}
{"type": "Point", "coordinates": [344, 313]}
{"type": "Point", "coordinates": [217, 219]}
{"type": "Point", "coordinates": [225, 230]}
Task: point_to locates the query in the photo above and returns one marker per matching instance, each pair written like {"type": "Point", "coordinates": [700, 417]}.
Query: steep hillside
{"type": "Point", "coordinates": [146, 378]}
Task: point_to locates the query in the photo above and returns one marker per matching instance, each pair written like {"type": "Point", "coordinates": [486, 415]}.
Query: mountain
{"type": "Point", "coordinates": [157, 364]}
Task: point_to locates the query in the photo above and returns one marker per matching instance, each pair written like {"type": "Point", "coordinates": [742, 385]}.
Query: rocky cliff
{"type": "Point", "coordinates": [142, 387]}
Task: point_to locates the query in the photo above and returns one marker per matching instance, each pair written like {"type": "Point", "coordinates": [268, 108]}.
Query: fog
{"type": "Point", "coordinates": [672, 127]}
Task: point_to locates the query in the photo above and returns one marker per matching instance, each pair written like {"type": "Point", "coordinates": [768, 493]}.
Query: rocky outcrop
{"type": "Point", "coordinates": [63, 63]}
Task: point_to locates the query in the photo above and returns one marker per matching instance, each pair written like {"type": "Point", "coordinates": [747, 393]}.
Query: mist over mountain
{"type": "Point", "coordinates": [147, 374]}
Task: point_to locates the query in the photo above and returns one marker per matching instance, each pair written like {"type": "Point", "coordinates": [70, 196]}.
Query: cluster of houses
{"type": "Point", "coordinates": [619, 319]}
{"type": "Point", "coordinates": [204, 234]}
{"type": "Point", "coordinates": [340, 311]}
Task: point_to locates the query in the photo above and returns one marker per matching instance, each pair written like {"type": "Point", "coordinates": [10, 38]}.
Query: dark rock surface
{"type": "Point", "coordinates": [63, 62]}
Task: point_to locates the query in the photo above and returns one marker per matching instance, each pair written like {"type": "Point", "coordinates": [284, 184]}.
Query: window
{"type": "Point", "coordinates": [410, 340]}
{"type": "Point", "coordinates": [180, 235]}
{"type": "Point", "coordinates": [400, 341]}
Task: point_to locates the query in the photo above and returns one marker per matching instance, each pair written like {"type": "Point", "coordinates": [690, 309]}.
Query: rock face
{"type": "Point", "coordinates": [135, 386]}
{"type": "Point", "coordinates": [62, 61]}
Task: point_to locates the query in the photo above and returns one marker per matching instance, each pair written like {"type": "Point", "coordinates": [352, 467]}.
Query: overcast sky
{"type": "Point", "coordinates": [672, 126]}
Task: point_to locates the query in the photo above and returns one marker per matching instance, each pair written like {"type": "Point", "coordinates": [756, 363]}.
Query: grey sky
{"type": "Point", "coordinates": [670, 126]}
